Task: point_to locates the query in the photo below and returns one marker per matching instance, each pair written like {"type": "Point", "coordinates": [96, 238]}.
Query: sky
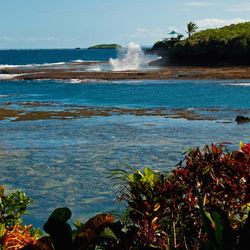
{"type": "Point", "coordinates": [83, 23]}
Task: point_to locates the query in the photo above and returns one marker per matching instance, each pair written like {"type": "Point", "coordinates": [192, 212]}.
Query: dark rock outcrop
{"type": "Point", "coordinates": [242, 119]}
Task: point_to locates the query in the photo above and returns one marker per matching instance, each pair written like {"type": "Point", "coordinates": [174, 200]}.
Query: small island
{"type": "Point", "coordinates": [106, 46]}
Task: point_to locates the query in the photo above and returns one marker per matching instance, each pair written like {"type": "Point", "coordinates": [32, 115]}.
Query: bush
{"type": "Point", "coordinates": [202, 204]}
{"type": "Point", "coordinates": [14, 235]}
{"type": "Point", "coordinates": [12, 207]}
{"type": "Point", "coordinates": [168, 210]}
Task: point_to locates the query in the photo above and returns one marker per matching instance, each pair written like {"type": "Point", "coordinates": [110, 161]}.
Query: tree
{"type": "Point", "coordinates": [191, 28]}
{"type": "Point", "coordinates": [180, 36]}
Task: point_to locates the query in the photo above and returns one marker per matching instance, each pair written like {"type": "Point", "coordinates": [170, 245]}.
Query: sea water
{"type": "Point", "coordinates": [66, 162]}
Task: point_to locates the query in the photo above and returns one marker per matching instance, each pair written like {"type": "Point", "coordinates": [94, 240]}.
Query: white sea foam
{"type": "Point", "coordinates": [74, 81]}
{"type": "Point", "coordinates": [8, 76]}
{"type": "Point", "coordinates": [49, 64]}
{"type": "Point", "coordinates": [81, 61]}
{"type": "Point", "coordinates": [242, 84]}
{"type": "Point", "coordinates": [3, 66]}
{"type": "Point", "coordinates": [95, 68]}
{"type": "Point", "coordinates": [78, 61]}
{"type": "Point", "coordinates": [130, 58]}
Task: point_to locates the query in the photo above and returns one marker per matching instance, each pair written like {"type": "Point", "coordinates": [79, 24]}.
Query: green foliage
{"type": "Point", "coordinates": [180, 36]}
{"type": "Point", "coordinates": [12, 207]}
{"type": "Point", "coordinates": [226, 45]}
{"type": "Point", "coordinates": [216, 44]}
{"type": "Point", "coordinates": [223, 35]}
{"type": "Point", "coordinates": [220, 234]}
{"type": "Point", "coordinates": [209, 191]}
{"type": "Point", "coordinates": [98, 231]}
{"type": "Point", "coordinates": [191, 28]}
{"type": "Point", "coordinates": [147, 177]}
{"type": "Point", "coordinates": [202, 204]}
{"type": "Point", "coordinates": [58, 228]}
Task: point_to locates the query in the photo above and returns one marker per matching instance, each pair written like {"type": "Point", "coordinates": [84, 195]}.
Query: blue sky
{"type": "Point", "coordinates": [81, 23]}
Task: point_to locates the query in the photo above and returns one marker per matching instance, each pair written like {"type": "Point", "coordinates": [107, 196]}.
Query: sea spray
{"type": "Point", "coordinates": [130, 58]}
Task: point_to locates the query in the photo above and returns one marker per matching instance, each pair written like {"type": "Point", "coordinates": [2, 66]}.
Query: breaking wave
{"type": "Point", "coordinates": [130, 58]}
{"type": "Point", "coordinates": [242, 84]}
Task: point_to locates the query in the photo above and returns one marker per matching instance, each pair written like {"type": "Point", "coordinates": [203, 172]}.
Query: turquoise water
{"type": "Point", "coordinates": [67, 162]}
{"type": "Point", "coordinates": [168, 94]}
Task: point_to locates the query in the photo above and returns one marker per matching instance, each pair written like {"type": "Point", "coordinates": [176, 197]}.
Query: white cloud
{"type": "Point", "coordinates": [35, 39]}
{"type": "Point", "coordinates": [241, 7]}
{"type": "Point", "coordinates": [199, 4]}
{"type": "Point", "coordinates": [151, 33]}
{"type": "Point", "coordinates": [171, 28]}
{"type": "Point", "coordinates": [216, 22]}
{"type": "Point", "coordinates": [6, 39]}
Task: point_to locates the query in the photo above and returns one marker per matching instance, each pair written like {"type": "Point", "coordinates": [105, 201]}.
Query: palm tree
{"type": "Point", "coordinates": [191, 28]}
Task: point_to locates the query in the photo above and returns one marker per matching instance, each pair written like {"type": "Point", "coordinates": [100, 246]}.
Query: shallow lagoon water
{"type": "Point", "coordinates": [67, 162]}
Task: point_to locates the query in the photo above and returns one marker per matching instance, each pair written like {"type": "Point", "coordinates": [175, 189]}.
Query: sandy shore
{"type": "Point", "coordinates": [157, 74]}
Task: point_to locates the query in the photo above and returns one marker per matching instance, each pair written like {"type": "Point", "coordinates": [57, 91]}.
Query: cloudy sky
{"type": "Point", "coordinates": [81, 23]}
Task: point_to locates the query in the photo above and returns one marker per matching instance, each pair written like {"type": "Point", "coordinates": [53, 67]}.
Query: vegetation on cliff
{"type": "Point", "coordinates": [105, 46]}
{"type": "Point", "coordinates": [227, 45]}
{"type": "Point", "coordinates": [203, 203]}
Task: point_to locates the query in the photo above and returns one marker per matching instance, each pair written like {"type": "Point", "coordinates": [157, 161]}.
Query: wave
{"type": "Point", "coordinates": [3, 66]}
{"type": "Point", "coordinates": [8, 76]}
{"type": "Point", "coordinates": [83, 61]}
{"type": "Point", "coordinates": [74, 81]}
{"type": "Point", "coordinates": [242, 84]}
{"type": "Point", "coordinates": [130, 58]}
{"type": "Point", "coordinates": [78, 61]}
{"type": "Point", "coordinates": [34, 65]}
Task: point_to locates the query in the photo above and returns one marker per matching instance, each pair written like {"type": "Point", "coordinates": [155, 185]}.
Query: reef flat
{"type": "Point", "coordinates": [174, 72]}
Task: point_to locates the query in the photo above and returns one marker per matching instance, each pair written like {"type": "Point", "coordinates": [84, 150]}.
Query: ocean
{"type": "Point", "coordinates": [61, 153]}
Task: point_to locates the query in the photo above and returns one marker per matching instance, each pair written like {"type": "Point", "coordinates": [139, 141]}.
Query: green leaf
{"type": "Point", "coordinates": [58, 228]}
{"type": "Point", "coordinates": [63, 214]}
{"type": "Point", "coordinates": [78, 224]}
{"type": "Point", "coordinates": [137, 176]}
{"type": "Point", "coordinates": [2, 230]}
{"type": "Point", "coordinates": [218, 228]}
{"type": "Point", "coordinates": [208, 215]}
{"type": "Point", "coordinates": [149, 176]}
{"type": "Point", "coordinates": [108, 233]}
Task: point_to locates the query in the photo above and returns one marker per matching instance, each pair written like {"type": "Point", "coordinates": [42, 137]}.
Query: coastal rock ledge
{"type": "Point", "coordinates": [242, 119]}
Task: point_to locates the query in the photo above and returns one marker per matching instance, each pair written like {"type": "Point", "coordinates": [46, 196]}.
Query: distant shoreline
{"type": "Point", "coordinates": [174, 72]}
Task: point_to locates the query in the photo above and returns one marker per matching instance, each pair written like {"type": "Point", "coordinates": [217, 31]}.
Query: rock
{"type": "Point", "coordinates": [242, 119]}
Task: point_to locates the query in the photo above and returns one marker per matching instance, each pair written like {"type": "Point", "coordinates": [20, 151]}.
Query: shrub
{"type": "Point", "coordinates": [166, 209]}
{"type": "Point", "coordinates": [12, 207]}
{"type": "Point", "coordinates": [201, 204]}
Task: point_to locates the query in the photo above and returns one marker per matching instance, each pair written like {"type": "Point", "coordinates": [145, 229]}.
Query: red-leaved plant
{"type": "Point", "coordinates": [166, 210]}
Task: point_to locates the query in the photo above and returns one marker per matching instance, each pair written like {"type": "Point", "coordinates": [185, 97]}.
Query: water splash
{"type": "Point", "coordinates": [130, 58]}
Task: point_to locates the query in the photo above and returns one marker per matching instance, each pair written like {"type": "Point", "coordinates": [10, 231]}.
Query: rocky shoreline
{"type": "Point", "coordinates": [173, 72]}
